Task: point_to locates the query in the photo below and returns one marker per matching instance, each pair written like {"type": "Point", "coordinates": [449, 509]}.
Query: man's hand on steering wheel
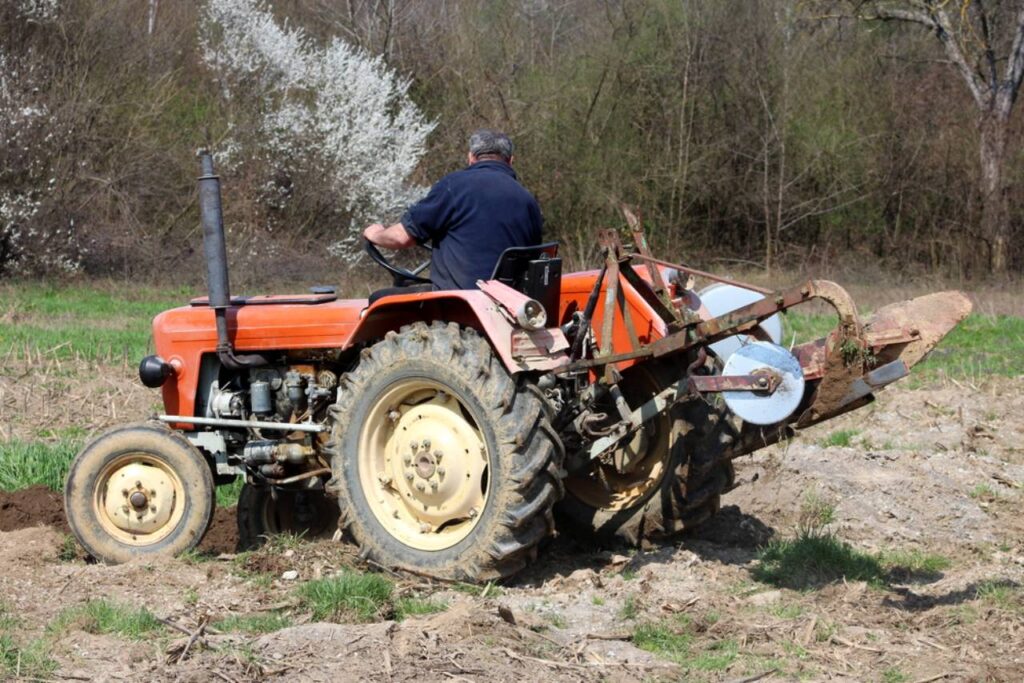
{"type": "Point", "coordinates": [394, 237]}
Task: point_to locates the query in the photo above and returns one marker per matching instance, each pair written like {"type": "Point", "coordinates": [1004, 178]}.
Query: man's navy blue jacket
{"type": "Point", "coordinates": [470, 217]}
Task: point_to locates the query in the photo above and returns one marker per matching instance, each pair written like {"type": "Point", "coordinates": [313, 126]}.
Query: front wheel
{"type": "Point", "coordinates": [139, 490]}
{"type": "Point", "coordinates": [444, 465]}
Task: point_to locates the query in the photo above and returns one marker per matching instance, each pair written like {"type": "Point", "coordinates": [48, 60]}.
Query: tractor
{"type": "Point", "coordinates": [449, 433]}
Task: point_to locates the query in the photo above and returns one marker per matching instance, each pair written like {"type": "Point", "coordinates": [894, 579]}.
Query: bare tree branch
{"type": "Point", "coordinates": [1014, 71]}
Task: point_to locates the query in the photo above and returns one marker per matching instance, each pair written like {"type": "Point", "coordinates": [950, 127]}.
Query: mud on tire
{"type": "Point", "coordinates": [447, 378]}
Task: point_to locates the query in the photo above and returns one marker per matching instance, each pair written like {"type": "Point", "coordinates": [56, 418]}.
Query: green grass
{"type": "Point", "coordinates": [254, 624]}
{"type": "Point", "coordinates": [979, 346]}
{"type": "Point", "coordinates": [629, 609]}
{"type": "Point", "coordinates": [29, 660]}
{"type": "Point", "coordinates": [1001, 594]}
{"type": "Point", "coordinates": [227, 495]}
{"type": "Point", "coordinates": [983, 492]}
{"type": "Point", "coordinates": [414, 606]}
{"type": "Point", "coordinates": [103, 616]}
{"type": "Point", "coordinates": [813, 560]}
{"type": "Point", "coordinates": [673, 640]}
{"type": "Point", "coordinates": [841, 438]}
{"type": "Point", "coordinates": [24, 464]}
{"type": "Point", "coordinates": [816, 558]}
{"type": "Point", "coordinates": [349, 595]}
{"type": "Point", "coordinates": [91, 322]}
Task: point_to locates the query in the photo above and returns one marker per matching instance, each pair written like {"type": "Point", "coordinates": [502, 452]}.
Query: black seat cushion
{"type": "Point", "coordinates": [392, 291]}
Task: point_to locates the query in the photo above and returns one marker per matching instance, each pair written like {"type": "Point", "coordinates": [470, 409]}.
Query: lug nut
{"type": "Point", "coordinates": [152, 508]}
{"type": "Point", "coordinates": [413, 445]}
{"type": "Point", "coordinates": [124, 509]}
{"type": "Point", "coordinates": [394, 415]}
{"type": "Point", "coordinates": [407, 459]}
{"type": "Point", "coordinates": [409, 476]}
{"type": "Point", "coordinates": [124, 492]}
{"type": "Point", "coordinates": [424, 528]}
{"type": "Point", "coordinates": [139, 516]}
{"type": "Point", "coordinates": [426, 443]}
{"type": "Point", "coordinates": [473, 513]}
{"type": "Point", "coordinates": [440, 471]}
{"type": "Point", "coordinates": [138, 484]}
{"type": "Point", "coordinates": [438, 455]}
{"type": "Point", "coordinates": [421, 486]}
{"type": "Point", "coordinates": [433, 486]}
{"type": "Point", "coordinates": [384, 480]}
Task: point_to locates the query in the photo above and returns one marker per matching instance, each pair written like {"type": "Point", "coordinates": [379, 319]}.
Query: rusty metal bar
{"type": "Point", "coordinates": [640, 239]}
{"type": "Point", "coordinates": [703, 273]}
{"type": "Point", "coordinates": [667, 313]}
{"type": "Point", "coordinates": [711, 384]}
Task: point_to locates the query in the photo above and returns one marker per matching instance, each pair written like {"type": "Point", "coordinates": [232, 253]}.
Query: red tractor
{"type": "Point", "coordinates": [444, 430]}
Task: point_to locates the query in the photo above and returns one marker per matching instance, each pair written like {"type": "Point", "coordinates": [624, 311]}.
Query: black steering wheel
{"type": "Point", "coordinates": [402, 277]}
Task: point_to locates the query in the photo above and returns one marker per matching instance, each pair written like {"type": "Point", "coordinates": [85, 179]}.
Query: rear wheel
{"type": "Point", "coordinates": [675, 479]}
{"type": "Point", "coordinates": [443, 463]}
{"type": "Point", "coordinates": [139, 490]}
{"type": "Point", "coordinates": [264, 512]}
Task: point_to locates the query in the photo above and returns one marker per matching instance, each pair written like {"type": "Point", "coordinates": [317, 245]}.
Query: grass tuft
{"type": "Point", "coordinates": [673, 640]}
{"type": "Point", "coordinates": [103, 616]}
{"type": "Point", "coordinates": [346, 596]}
{"type": "Point", "coordinates": [254, 624]}
{"type": "Point", "coordinates": [414, 606]}
{"type": "Point", "coordinates": [813, 560]}
{"type": "Point", "coordinates": [841, 438]}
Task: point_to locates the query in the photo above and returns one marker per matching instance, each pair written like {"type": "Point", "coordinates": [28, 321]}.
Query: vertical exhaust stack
{"type": "Point", "coordinates": [214, 248]}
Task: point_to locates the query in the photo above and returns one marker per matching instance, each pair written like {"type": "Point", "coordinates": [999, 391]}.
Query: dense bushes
{"type": "Point", "coordinates": [743, 130]}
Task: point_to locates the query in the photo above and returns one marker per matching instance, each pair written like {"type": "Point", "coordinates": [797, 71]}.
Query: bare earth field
{"type": "Point", "coordinates": [887, 545]}
{"type": "Point", "coordinates": [930, 475]}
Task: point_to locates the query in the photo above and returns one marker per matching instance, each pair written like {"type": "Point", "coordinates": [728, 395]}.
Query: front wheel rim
{"type": "Point", "coordinates": [139, 499]}
{"type": "Point", "coordinates": [423, 465]}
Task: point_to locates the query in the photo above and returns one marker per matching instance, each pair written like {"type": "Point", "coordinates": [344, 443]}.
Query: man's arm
{"type": "Point", "coordinates": [390, 237]}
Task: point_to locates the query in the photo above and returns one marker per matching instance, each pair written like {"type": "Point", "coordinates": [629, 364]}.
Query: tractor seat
{"type": "Point", "coordinates": [392, 291]}
{"type": "Point", "coordinates": [536, 271]}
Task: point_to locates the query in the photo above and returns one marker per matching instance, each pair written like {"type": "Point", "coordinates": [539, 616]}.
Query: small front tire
{"type": "Point", "coordinates": [139, 490]}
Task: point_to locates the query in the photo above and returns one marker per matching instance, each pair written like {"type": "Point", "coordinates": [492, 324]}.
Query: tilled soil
{"type": "Point", "coordinates": [937, 470]}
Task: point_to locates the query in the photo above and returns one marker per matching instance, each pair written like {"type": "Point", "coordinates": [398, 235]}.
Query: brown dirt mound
{"type": "Point", "coordinates": [38, 505]}
{"type": "Point", "coordinates": [33, 506]}
{"type": "Point", "coordinates": [222, 536]}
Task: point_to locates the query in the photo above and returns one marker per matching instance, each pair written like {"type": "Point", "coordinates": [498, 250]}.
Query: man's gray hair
{"type": "Point", "coordinates": [487, 141]}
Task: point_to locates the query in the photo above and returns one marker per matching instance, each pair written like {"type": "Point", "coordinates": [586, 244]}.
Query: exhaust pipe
{"type": "Point", "coordinates": [217, 264]}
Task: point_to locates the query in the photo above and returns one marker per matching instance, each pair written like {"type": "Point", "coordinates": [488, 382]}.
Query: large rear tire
{"type": "Point", "coordinates": [262, 513]}
{"type": "Point", "coordinates": [139, 490]}
{"type": "Point", "coordinates": [443, 463]}
{"type": "Point", "coordinates": [676, 486]}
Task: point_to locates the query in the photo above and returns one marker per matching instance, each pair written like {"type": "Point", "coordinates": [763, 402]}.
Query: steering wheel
{"type": "Point", "coordinates": [402, 277]}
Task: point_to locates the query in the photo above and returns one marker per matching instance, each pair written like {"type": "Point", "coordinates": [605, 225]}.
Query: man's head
{"type": "Point", "coordinates": [489, 145]}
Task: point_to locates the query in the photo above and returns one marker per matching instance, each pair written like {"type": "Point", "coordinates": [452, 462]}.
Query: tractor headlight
{"type": "Point", "coordinates": [154, 371]}
{"type": "Point", "coordinates": [531, 315]}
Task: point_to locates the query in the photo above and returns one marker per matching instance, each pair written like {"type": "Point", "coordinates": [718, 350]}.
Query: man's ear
{"type": "Point", "coordinates": [511, 159]}
{"type": "Point", "coordinates": [470, 159]}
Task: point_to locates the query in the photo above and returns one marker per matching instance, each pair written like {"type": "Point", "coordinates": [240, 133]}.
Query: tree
{"type": "Point", "coordinates": [328, 114]}
{"type": "Point", "coordinates": [984, 41]}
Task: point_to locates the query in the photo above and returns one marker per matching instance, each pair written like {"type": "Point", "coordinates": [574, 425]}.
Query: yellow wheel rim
{"type": "Point", "coordinates": [139, 499]}
{"type": "Point", "coordinates": [423, 465]}
{"type": "Point", "coordinates": [602, 487]}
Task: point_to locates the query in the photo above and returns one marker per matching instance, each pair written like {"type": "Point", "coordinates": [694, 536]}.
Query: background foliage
{"type": "Point", "coordinates": [747, 131]}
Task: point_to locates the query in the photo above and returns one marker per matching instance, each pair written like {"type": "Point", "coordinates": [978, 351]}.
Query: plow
{"type": "Point", "coordinates": [449, 433]}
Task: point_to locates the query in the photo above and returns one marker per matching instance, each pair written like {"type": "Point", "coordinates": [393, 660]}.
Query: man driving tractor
{"type": "Point", "coordinates": [469, 217]}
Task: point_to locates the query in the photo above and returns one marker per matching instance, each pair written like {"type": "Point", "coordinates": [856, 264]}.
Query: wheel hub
{"type": "Point", "coordinates": [438, 455]}
{"type": "Point", "coordinates": [139, 499]}
{"type": "Point", "coordinates": [423, 465]}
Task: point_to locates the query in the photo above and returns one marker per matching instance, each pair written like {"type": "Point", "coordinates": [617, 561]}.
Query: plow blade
{"type": "Point", "coordinates": [927, 318]}
{"type": "Point", "coordinates": [854, 362]}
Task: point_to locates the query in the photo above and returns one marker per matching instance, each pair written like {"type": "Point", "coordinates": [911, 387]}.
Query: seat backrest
{"type": "Point", "coordinates": [536, 271]}
{"type": "Point", "coordinates": [511, 266]}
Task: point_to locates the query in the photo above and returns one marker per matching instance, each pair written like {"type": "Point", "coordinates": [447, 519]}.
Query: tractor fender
{"type": "Point", "coordinates": [520, 350]}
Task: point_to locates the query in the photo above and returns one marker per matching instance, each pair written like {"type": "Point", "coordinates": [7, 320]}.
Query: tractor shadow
{"type": "Point", "coordinates": [730, 537]}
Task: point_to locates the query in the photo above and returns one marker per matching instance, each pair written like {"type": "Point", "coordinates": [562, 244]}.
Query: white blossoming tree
{"type": "Point", "coordinates": [29, 135]}
{"type": "Point", "coordinates": [321, 112]}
